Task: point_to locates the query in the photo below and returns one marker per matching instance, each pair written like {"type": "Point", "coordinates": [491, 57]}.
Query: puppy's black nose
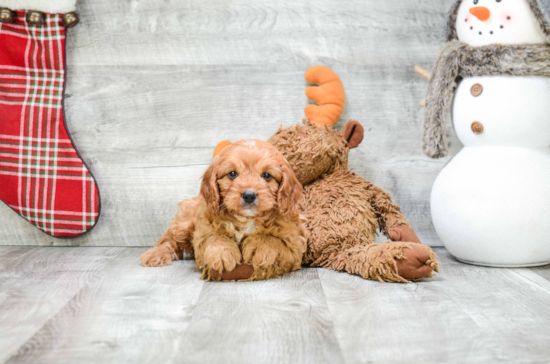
{"type": "Point", "coordinates": [249, 197]}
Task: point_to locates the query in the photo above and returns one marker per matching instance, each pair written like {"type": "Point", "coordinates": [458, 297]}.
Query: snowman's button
{"type": "Point", "coordinates": [476, 89]}
{"type": "Point", "coordinates": [477, 127]}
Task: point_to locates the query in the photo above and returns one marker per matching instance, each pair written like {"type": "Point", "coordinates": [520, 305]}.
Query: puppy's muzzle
{"type": "Point", "coordinates": [249, 197]}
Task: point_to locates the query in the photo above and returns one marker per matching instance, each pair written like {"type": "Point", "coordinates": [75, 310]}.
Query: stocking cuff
{"type": "Point", "coordinates": [45, 6]}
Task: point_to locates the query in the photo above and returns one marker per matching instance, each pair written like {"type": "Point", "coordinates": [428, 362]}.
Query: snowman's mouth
{"type": "Point", "coordinates": [491, 32]}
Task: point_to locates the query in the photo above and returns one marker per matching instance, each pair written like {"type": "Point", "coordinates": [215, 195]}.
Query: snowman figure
{"type": "Point", "coordinates": [491, 203]}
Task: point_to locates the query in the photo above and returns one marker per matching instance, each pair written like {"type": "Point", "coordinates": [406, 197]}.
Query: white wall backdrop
{"type": "Point", "coordinates": [154, 85]}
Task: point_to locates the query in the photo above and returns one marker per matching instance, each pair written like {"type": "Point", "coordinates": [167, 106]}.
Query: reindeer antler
{"type": "Point", "coordinates": [329, 95]}
{"type": "Point", "coordinates": [220, 146]}
{"type": "Point", "coordinates": [424, 73]}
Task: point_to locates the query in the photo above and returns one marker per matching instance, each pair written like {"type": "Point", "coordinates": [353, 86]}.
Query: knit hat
{"type": "Point", "coordinates": [541, 9]}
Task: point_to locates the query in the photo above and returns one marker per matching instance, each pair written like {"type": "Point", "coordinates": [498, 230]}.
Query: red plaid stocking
{"type": "Point", "coordinates": [42, 176]}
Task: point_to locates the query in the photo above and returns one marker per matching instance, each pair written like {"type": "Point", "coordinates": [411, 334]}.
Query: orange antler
{"type": "Point", "coordinates": [329, 96]}
{"type": "Point", "coordinates": [220, 146]}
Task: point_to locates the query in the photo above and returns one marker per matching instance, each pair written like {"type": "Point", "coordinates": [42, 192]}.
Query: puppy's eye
{"type": "Point", "coordinates": [266, 176]}
{"type": "Point", "coordinates": [233, 174]}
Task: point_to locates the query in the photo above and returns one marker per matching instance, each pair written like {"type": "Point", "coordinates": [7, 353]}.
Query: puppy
{"type": "Point", "coordinates": [247, 214]}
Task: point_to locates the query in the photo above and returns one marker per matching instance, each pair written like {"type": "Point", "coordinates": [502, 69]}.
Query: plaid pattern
{"type": "Point", "coordinates": [41, 175]}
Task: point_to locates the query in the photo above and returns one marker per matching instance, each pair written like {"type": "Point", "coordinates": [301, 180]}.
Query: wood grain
{"type": "Point", "coordinates": [277, 321]}
{"type": "Point", "coordinates": [154, 85]}
{"type": "Point", "coordinates": [36, 284]}
{"type": "Point", "coordinates": [466, 314]}
{"type": "Point", "coordinates": [127, 314]}
{"type": "Point", "coordinates": [82, 305]}
{"type": "Point", "coordinates": [543, 271]}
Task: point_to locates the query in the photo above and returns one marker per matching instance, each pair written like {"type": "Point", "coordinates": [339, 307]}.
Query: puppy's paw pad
{"type": "Point", "coordinates": [222, 258]}
{"type": "Point", "coordinates": [265, 256]}
{"type": "Point", "coordinates": [260, 255]}
{"type": "Point", "coordinates": [248, 252]}
{"type": "Point", "coordinates": [156, 257]}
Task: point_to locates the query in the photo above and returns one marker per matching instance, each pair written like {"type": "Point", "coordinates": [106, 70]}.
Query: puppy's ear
{"type": "Point", "coordinates": [290, 193]}
{"type": "Point", "coordinates": [210, 190]}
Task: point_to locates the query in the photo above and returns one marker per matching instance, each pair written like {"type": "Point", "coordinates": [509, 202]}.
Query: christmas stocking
{"type": "Point", "coordinates": [42, 177]}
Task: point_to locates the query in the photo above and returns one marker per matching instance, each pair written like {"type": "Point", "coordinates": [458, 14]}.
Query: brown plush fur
{"type": "Point", "coordinates": [222, 231]}
{"type": "Point", "coordinates": [343, 210]}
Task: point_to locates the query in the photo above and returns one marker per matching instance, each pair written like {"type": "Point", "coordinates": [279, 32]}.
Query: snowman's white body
{"type": "Point", "coordinates": [491, 202]}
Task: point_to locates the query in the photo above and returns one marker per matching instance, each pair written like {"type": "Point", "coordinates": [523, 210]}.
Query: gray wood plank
{"type": "Point", "coordinates": [81, 305]}
{"type": "Point", "coordinates": [130, 314]}
{"type": "Point", "coordinates": [172, 32]}
{"type": "Point", "coordinates": [135, 314]}
{"type": "Point", "coordinates": [153, 86]}
{"type": "Point", "coordinates": [37, 283]}
{"type": "Point", "coordinates": [13, 256]}
{"type": "Point", "coordinates": [543, 271]}
{"type": "Point", "coordinates": [277, 321]}
{"type": "Point", "coordinates": [466, 314]}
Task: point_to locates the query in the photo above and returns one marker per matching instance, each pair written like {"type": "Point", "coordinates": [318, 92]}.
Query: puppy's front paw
{"type": "Point", "coordinates": [222, 256]}
{"type": "Point", "coordinates": [158, 256]}
{"type": "Point", "coordinates": [259, 253]}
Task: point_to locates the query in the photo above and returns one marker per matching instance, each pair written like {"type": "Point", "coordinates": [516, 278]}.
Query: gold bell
{"type": "Point", "coordinates": [35, 18]}
{"type": "Point", "coordinates": [6, 15]}
{"type": "Point", "coordinates": [70, 19]}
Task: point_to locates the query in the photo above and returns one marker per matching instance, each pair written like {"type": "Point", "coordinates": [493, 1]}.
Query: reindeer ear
{"type": "Point", "coordinates": [353, 133]}
{"type": "Point", "coordinates": [220, 146]}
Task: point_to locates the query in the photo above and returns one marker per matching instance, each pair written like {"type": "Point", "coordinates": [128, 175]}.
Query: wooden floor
{"type": "Point", "coordinates": [73, 305]}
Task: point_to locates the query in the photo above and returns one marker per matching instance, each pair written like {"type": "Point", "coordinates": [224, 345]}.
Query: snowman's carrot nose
{"type": "Point", "coordinates": [481, 12]}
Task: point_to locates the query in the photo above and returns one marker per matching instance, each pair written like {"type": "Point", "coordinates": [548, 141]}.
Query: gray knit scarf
{"type": "Point", "coordinates": [459, 60]}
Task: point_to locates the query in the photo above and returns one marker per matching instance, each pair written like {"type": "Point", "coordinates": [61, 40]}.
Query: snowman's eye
{"type": "Point", "coordinates": [475, 2]}
{"type": "Point", "coordinates": [499, 1]}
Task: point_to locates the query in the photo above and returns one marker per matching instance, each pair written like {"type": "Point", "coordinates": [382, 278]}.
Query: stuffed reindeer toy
{"type": "Point", "coordinates": [342, 210]}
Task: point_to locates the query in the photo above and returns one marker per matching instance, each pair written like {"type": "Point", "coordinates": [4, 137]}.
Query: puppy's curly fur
{"type": "Point", "coordinates": [222, 230]}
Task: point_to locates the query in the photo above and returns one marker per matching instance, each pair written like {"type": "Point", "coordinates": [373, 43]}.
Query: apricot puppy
{"type": "Point", "coordinates": [247, 212]}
